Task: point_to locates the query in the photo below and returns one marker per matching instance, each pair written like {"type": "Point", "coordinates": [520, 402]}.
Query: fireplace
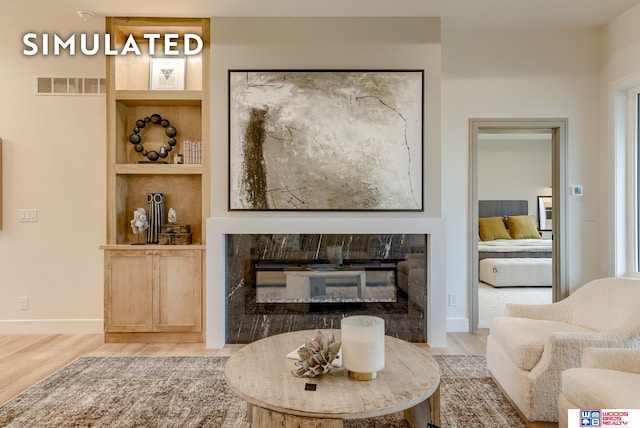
{"type": "Point", "coordinates": [276, 283]}
{"type": "Point", "coordinates": [269, 276]}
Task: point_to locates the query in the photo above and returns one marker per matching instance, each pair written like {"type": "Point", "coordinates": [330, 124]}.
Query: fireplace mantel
{"type": "Point", "coordinates": [219, 227]}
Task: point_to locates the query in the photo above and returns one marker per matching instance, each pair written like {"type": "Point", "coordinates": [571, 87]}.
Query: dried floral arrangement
{"type": "Point", "coordinates": [316, 356]}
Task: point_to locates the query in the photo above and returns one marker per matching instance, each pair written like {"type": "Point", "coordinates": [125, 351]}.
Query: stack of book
{"type": "Point", "coordinates": [192, 152]}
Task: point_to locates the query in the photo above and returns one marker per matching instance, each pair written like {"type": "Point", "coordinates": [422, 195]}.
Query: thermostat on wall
{"type": "Point", "coordinates": [575, 190]}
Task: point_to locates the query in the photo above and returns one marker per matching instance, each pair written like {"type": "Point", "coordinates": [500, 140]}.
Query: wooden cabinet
{"type": "Point", "coordinates": [154, 292]}
{"type": "Point", "coordinates": [128, 290]}
{"type": "Point", "coordinates": [177, 290]}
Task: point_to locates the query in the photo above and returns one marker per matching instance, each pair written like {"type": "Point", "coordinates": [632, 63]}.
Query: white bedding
{"type": "Point", "coordinates": [513, 245]}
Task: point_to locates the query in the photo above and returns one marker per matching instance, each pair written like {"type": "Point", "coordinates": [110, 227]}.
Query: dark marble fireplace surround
{"type": "Point", "coordinates": [248, 320]}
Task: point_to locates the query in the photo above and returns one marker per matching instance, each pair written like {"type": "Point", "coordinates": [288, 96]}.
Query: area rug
{"type": "Point", "coordinates": [191, 392]}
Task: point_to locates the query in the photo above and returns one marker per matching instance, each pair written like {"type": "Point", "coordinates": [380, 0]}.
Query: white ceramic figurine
{"type": "Point", "coordinates": [172, 217]}
{"type": "Point", "coordinates": [139, 223]}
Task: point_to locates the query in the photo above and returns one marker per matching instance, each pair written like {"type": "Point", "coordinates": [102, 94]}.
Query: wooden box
{"type": "Point", "coordinates": [176, 228]}
{"type": "Point", "coordinates": [175, 234]}
{"type": "Point", "coordinates": [174, 238]}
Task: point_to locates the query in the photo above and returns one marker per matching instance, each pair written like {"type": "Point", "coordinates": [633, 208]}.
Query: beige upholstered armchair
{"type": "Point", "coordinates": [609, 378]}
{"type": "Point", "coordinates": [530, 346]}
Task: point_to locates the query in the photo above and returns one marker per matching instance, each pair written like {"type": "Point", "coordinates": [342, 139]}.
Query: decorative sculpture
{"type": "Point", "coordinates": [139, 222]}
{"type": "Point", "coordinates": [172, 216]}
{"type": "Point", "coordinates": [136, 139]}
{"type": "Point", "coordinates": [316, 356]}
{"type": "Point", "coordinates": [155, 205]}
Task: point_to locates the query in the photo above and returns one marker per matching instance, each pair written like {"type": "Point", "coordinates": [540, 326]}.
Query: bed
{"type": "Point", "coordinates": [510, 248]}
{"type": "Point", "coordinates": [514, 248]}
{"type": "Point", "coordinates": [511, 251]}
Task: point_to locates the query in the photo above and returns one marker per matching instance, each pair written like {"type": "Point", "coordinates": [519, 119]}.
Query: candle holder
{"type": "Point", "coordinates": [362, 346]}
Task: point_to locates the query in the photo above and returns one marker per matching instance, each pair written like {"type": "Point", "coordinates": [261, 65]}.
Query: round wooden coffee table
{"type": "Point", "coordinates": [260, 373]}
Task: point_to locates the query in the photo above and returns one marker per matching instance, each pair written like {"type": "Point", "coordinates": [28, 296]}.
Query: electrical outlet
{"type": "Point", "coordinates": [453, 299]}
{"type": "Point", "coordinates": [24, 303]}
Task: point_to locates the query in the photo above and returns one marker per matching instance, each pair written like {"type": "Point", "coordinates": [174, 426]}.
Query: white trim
{"type": "Point", "coordinates": [559, 129]}
{"type": "Point", "coordinates": [52, 326]}
{"type": "Point", "coordinates": [458, 325]}
{"type": "Point", "coordinates": [622, 222]}
{"type": "Point", "coordinates": [629, 174]}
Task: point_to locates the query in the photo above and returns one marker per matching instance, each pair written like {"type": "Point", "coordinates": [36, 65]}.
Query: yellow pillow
{"type": "Point", "coordinates": [523, 227]}
{"type": "Point", "coordinates": [491, 228]}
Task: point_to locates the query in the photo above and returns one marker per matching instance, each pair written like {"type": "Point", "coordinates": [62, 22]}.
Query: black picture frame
{"type": "Point", "coordinates": [326, 140]}
{"type": "Point", "coordinates": [545, 213]}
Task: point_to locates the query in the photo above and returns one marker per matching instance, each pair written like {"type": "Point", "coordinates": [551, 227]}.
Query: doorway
{"type": "Point", "coordinates": [557, 128]}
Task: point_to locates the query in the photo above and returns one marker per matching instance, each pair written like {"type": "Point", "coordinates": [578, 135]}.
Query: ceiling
{"type": "Point", "coordinates": [455, 14]}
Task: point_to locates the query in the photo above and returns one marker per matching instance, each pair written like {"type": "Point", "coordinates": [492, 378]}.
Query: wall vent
{"type": "Point", "coordinates": [71, 85]}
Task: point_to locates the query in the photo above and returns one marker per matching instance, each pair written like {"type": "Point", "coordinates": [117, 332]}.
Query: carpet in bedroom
{"type": "Point", "coordinates": [492, 300]}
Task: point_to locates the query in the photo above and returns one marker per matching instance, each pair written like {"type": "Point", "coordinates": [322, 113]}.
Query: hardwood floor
{"type": "Point", "coordinates": [27, 359]}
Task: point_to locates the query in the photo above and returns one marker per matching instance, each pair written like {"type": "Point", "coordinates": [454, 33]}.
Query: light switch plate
{"type": "Point", "coordinates": [588, 214]}
{"type": "Point", "coordinates": [28, 214]}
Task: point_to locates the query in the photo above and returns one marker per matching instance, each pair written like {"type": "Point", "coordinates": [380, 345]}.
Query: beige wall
{"type": "Point", "coordinates": [54, 161]}
{"type": "Point", "coordinates": [620, 46]}
{"type": "Point", "coordinates": [520, 74]}
{"type": "Point", "coordinates": [514, 169]}
{"type": "Point", "coordinates": [325, 43]}
{"type": "Point", "coordinates": [54, 146]}
{"type": "Point", "coordinates": [620, 70]}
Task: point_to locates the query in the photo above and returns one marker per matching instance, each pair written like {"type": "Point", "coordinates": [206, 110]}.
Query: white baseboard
{"type": "Point", "coordinates": [96, 326]}
{"type": "Point", "coordinates": [68, 326]}
{"type": "Point", "coordinates": [458, 325]}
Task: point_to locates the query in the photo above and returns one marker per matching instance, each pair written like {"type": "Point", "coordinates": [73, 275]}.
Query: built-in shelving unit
{"type": "Point", "coordinates": [154, 292]}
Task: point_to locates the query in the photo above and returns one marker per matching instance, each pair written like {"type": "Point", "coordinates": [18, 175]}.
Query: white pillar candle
{"type": "Point", "coordinates": [362, 346]}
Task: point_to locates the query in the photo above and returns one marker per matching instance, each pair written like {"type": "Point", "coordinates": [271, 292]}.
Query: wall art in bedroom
{"type": "Point", "coordinates": [545, 211]}
{"type": "Point", "coordinates": [339, 140]}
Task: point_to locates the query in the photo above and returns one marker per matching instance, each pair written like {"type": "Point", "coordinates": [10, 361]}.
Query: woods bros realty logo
{"type": "Point", "coordinates": [604, 418]}
{"type": "Point", "coordinates": [52, 44]}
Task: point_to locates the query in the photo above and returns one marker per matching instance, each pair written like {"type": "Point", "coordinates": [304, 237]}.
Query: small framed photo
{"type": "Point", "coordinates": [167, 73]}
{"type": "Point", "coordinates": [545, 219]}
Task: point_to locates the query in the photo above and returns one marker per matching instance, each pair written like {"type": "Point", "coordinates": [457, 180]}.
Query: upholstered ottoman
{"type": "Point", "coordinates": [516, 272]}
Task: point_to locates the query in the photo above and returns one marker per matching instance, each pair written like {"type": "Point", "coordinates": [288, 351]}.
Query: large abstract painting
{"type": "Point", "coordinates": [326, 140]}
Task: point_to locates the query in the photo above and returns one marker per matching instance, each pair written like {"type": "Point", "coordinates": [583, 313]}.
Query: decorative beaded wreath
{"type": "Point", "coordinates": [136, 139]}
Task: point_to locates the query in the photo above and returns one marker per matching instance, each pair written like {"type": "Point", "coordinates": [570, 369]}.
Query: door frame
{"type": "Point", "coordinates": [558, 128]}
